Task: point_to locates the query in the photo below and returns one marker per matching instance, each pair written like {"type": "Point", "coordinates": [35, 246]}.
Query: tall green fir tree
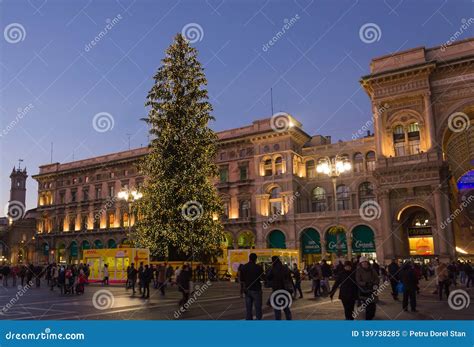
{"type": "Point", "coordinates": [180, 207]}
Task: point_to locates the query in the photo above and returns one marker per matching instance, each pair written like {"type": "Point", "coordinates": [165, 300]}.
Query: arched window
{"type": "Point", "coordinates": [399, 141]}
{"type": "Point", "coordinates": [244, 209]}
{"type": "Point", "coordinates": [279, 166]}
{"type": "Point", "coordinates": [413, 138]}
{"type": "Point", "coordinates": [72, 223]}
{"type": "Point", "coordinates": [110, 220]}
{"type": "Point", "coordinates": [366, 192]}
{"type": "Point", "coordinates": [275, 201]}
{"type": "Point", "coordinates": [267, 167]}
{"type": "Point", "coordinates": [84, 222]}
{"type": "Point", "coordinates": [358, 162]}
{"type": "Point", "coordinates": [125, 220]}
{"type": "Point", "coordinates": [342, 192]}
{"type": "Point", "coordinates": [370, 160]}
{"type": "Point", "coordinates": [275, 193]}
{"type": "Point", "coordinates": [318, 199]}
{"type": "Point", "coordinates": [310, 169]}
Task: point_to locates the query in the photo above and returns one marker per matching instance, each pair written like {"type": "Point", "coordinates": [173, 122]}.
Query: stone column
{"type": "Point", "coordinates": [439, 236]}
{"type": "Point", "coordinates": [349, 244]}
{"type": "Point", "coordinates": [378, 131]}
{"type": "Point", "coordinates": [386, 232]}
{"type": "Point", "coordinates": [430, 134]}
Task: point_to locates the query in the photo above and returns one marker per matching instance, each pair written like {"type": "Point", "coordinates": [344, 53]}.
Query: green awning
{"type": "Point", "coordinates": [73, 249]}
{"type": "Point", "coordinates": [111, 244]}
{"type": "Point", "coordinates": [276, 239]}
{"type": "Point", "coordinates": [310, 241]}
{"type": "Point", "coordinates": [335, 239]}
{"type": "Point", "coordinates": [98, 244]}
{"type": "Point", "coordinates": [363, 239]}
{"type": "Point", "coordinates": [86, 245]}
{"type": "Point", "coordinates": [45, 249]}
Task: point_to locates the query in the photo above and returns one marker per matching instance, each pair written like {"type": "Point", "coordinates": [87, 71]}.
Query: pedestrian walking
{"type": "Point", "coordinates": [184, 284]}
{"type": "Point", "coordinates": [132, 275]}
{"type": "Point", "coordinates": [393, 273]}
{"type": "Point", "coordinates": [367, 280]}
{"type": "Point", "coordinates": [443, 280]}
{"type": "Point", "coordinates": [147, 277]}
{"type": "Point", "coordinates": [297, 281]}
{"type": "Point", "coordinates": [105, 275]}
{"type": "Point", "coordinates": [316, 275]}
{"type": "Point", "coordinates": [280, 277]}
{"type": "Point", "coordinates": [251, 275]}
{"type": "Point", "coordinates": [409, 279]}
{"type": "Point", "coordinates": [348, 290]}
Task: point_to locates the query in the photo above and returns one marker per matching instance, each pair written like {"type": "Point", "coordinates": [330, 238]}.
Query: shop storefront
{"type": "Point", "coordinates": [117, 259]}
{"type": "Point", "coordinates": [264, 257]}
{"type": "Point", "coordinates": [310, 246]}
{"type": "Point", "coordinates": [336, 242]}
{"type": "Point", "coordinates": [363, 243]}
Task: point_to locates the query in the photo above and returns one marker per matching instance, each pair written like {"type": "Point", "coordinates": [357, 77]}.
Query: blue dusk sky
{"type": "Point", "coordinates": [64, 62]}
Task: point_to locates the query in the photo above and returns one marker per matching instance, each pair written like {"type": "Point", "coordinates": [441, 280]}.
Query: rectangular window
{"type": "Point", "coordinates": [85, 194]}
{"type": "Point", "coordinates": [62, 197]}
{"type": "Point", "coordinates": [98, 192]}
{"type": "Point", "coordinates": [243, 170]}
{"type": "Point", "coordinates": [111, 191]}
{"type": "Point", "coordinates": [224, 175]}
{"type": "Point", "coordinates": [73, 196]}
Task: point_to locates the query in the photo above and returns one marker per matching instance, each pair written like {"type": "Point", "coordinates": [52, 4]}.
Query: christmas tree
{"type": "Point", "coordinates": [180, 207]}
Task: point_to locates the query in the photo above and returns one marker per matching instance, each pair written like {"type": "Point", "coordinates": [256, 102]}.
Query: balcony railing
{"type": "Point", "coordinates": [408, 159]}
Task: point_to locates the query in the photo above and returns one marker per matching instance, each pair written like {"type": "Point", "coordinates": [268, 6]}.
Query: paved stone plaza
{"type": "Point", "coordinates": [220, 301]}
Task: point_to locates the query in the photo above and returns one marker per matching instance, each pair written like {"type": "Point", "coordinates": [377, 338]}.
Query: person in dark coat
{"type": "Point", "coordinates": [282, 287]}
{"type": "Point", "coordinates": [367, 280]}
{"type": "Point", "coordinates": [393, 274]}
{"type": "Point", "coordinates": [250, 277]}
{"type": "Point", "coordinates": [132, 276]}
{"type": "Point", "coordinates": [297, 281]}
{"type": "Point", "coordinates": [410, 284]}
{"type": "Point", "coordinates": [348, 290]}
{"type": "Point", "coordinates": [183, 282]}
{"type": "Point", "coordinates": [147, 277]}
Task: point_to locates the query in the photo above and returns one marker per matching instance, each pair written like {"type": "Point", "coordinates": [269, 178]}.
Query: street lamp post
{"type": "Point", "coordinates": [129, 196]}
{"type": "Point", "coordinates": [334, 168]}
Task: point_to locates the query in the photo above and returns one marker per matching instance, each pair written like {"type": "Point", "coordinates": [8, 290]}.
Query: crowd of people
{"type": "Point", "coordinates": [359, 281]}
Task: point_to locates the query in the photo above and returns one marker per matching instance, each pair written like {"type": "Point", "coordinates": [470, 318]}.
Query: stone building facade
{"type": "Point", "coordinates": [402, 198]}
